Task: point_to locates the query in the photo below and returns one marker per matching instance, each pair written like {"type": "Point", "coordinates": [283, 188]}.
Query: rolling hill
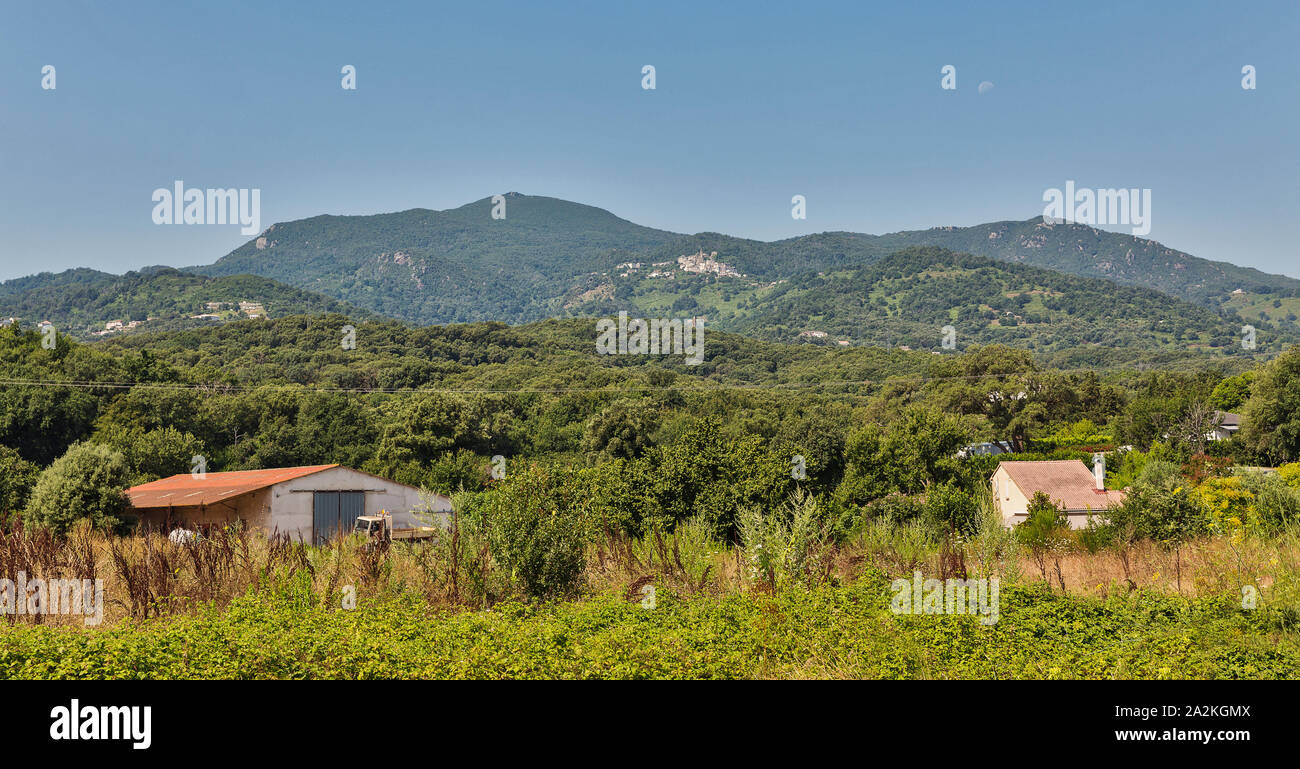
{"type": "Point", "coordinates": [91, 304]}
{"type": "Point", "coordinates": [907, 298]}
{"type": "Point", "coordinates": [1089, 252]}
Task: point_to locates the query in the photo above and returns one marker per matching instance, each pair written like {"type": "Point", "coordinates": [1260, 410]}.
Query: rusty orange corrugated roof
{"type": "Point", "coordinates": [183, 490]}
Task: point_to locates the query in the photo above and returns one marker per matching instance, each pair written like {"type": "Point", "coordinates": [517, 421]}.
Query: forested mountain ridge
{"type": "Point", "coordinates": [1086, 251]}
{"type": "Point", "coordinates": [553, 258]}
{"type": "Point", "coordinates": [910, 297]}
{"type": "Point", "coordinates": [905, 298]}
{"type": "Point", "coordinates": [463, 265]}
{"type": "Point", "coordinates": [83, 302]}
{"type": "Point", "coordinates": [447, 266]}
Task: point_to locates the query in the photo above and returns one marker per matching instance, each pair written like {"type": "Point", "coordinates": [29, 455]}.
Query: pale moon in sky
{"type": "Point", "coordinates": [985, 87]}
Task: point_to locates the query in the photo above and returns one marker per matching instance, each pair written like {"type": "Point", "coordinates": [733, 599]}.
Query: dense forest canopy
{"type": "Point", "coordinates": [909, 297]}
{"type": "Point", "coordinates": [658, 440]}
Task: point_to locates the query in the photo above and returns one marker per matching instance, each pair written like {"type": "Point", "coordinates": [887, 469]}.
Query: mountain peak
{"type": "Point", "coordinates": [464, 263]}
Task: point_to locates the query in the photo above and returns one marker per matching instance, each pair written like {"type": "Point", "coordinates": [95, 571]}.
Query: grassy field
{"type": "Point", "coordinates": [243, 606]}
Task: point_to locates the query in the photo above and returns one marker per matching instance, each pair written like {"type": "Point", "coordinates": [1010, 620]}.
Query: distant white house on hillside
{"type": "Point", "coordinates": [982, 449]}
{"type": "Point", "coordinates": [1226, 425]}
{"type": "Point", "coordinates": [1068, 482]}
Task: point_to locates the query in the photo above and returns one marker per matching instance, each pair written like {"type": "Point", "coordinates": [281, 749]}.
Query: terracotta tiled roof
{"type": "Point", "coordinates": [185, 489]}
{"type": "Point", "coordinates": [1068, 482]}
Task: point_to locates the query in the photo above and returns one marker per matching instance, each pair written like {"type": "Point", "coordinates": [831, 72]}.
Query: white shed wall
{"type": "Point", "coordinates": [291, 501]}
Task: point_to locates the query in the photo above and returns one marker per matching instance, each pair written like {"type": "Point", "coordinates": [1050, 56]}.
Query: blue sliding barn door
{"type": "Point", "coordinates": [334, 513]}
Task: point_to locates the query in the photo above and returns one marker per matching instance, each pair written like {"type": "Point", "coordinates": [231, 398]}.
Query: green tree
{"type": "Point", "coordinates": [1161, 506]}
{"type": "Point", "coordinates": [913, 453]}
{"type": "Point", "coordinates": [703, 473]}
{"type": "Point", "coordinates": [17, 477]}
{"type": "Point", "coordinates": [41, 422]}
{"type": "Point", "coordinates": [820, 438]}
{"type": "Point", "coordinates": [1233, 392]}
{"type": "Point", "coordinates": [1272, 414]}
{"type": "Point", "coordinates": [1160, 404]}
{"type": "Point", "coordinates": [620, 430]}
{"type": "Point", "coordinates": [86, 482]}
{"type": "Point", "coordinates": [421, 427]}
{"type": "Point", "coordinates": [947, 507]}
{"type": "Point", "coordinates": [153, 454]}
{"type": "Point", "coordinates": [1276, 500]}
{"type": "Point", "coordinates": [618, 492]}
{"type": "Point", "coordinates": [538, 519]}
{"type": "Point", "coordinates": [1006, 387]}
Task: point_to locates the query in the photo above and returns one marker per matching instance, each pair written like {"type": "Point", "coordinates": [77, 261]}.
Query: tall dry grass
{"type": "Point", "coordinates": [146, 575]}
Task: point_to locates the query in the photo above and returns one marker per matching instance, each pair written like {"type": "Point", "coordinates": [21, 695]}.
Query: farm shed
{"type": "Point", "coordinates": [309, 503]}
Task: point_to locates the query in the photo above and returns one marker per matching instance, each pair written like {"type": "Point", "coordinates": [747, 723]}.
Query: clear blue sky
{"type": "Point", "coordinates": [839, 102]}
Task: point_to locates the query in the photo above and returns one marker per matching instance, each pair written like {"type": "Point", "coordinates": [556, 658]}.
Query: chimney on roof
{"type": "Point", "coordinates": [1099, 470]}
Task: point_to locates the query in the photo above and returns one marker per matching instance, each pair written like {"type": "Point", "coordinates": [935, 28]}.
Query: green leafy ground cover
{"type": "Point", "coordinates": [826, 632]}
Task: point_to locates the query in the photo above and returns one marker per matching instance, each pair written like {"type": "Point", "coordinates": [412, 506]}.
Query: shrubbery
{"type": "Point", "coordinates": [17, 477]}
{"type": "Point", "coordinates": [86, 482]}
{"type": "Point", "coordinates": [539, 524]}
{"type": "Point", "coordinates": [1162, 507]}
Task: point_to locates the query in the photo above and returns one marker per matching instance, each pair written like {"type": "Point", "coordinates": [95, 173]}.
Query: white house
{"type": "Point", "coordinates": [1069, 483]}
{"type": "Point", "coordinates": [1226, 425]}
{"type": "Point", "coordinates": [980, 449]}
{"type": "Point", "coordinates": [309, 503]}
